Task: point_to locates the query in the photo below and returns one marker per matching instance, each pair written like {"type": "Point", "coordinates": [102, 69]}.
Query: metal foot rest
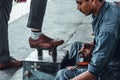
{"type": "Point", "coordinates": [51, 51]}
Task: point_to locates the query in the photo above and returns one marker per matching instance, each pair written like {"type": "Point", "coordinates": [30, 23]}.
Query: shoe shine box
{"type": "Point", "coordinates": [42, 65]}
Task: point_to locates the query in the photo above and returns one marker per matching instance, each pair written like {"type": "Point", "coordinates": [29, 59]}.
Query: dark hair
{"type": "Point", "coordinates": [101, 0]}
{"type": "Point", "coordinates": [98, 0]}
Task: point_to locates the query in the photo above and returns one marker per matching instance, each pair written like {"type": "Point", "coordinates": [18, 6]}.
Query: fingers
{"type": "Point", "coordinates": [85, 50]}
{"type": "Point", "coordinates": [81, 50]}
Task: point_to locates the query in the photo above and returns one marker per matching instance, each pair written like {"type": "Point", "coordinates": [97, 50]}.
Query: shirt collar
{"type": "Point", "coordinates": [101, 12]}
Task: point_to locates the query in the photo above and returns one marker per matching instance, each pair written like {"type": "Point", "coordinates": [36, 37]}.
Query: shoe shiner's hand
{"type": "Point", "coordinates": [86, 51]}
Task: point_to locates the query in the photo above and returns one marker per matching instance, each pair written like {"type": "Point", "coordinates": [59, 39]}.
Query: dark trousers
{"type": "Point", "coordinates": [36, 15]}
{"type": "Point", "coordinates": [5, 9]}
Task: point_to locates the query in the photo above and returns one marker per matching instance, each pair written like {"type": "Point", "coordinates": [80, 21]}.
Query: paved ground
{"type": "Point", "coordinates": [62, 21]}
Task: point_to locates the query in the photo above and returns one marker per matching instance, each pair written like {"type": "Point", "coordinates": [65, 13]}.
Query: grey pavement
{"type": "Point", "coordinates": [62, 21]}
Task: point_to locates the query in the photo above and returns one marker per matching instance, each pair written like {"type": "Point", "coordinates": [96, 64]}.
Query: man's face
{"type": "Point", "coordinates": [84, 6]}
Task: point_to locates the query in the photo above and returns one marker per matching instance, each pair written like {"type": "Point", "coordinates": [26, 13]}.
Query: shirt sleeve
{"type": "Point", "coordinates": [105, 43]}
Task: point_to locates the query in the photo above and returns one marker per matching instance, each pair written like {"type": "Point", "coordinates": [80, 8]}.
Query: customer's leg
{"type": "Point", "coordinates": [5, 9]}
{"type": "Point", "coordinates": [5, 60]}
{"type": "Point", "coordinates": [36, 16]}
